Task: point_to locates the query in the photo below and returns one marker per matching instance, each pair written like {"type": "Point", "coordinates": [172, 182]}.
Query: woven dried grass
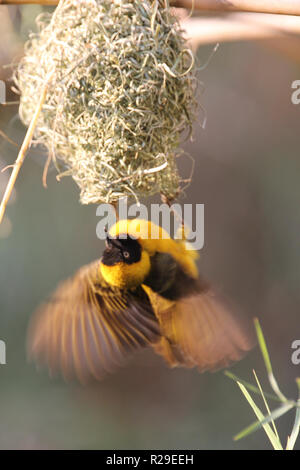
{"type": "Point", "coordinates": [122, 91]}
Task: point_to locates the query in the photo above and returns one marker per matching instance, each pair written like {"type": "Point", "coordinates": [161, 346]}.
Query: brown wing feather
{"type": "Point", "coordinates": [199, 331]}
{"type": "Point", "coordinates": [88, 327]}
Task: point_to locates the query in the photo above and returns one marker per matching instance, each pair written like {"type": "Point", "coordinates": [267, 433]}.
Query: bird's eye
{"type": "Point", "coordinates": [126, 254]}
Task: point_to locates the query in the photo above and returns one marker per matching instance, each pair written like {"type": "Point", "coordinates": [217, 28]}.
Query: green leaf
{"type": "Point", "coordinates": [263, 346]}
{"type": "Point", "coordinates": [267, 419]}
{"type": "Point", "coordinates": [295, 432]}
{"type": "Point", "coordinates": [270, 433]}
{"type": "Point", "coordinates": [296, 428]}
{"type": "Point", "coordinates": [250, 386]}
{"type": "Point", "coordinates": [267, 361]}
{"type": "Point", "coordinates": [265, 401]}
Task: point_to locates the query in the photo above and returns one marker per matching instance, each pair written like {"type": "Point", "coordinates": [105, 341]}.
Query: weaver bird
{"type": "Point", "coordinates": [145, 290]}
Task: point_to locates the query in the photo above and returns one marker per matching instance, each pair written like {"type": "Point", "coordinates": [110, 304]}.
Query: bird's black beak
{"type": "Point", "coordinates": [112, 242]}
{"type": "Point", "coordinates": [112, 253]}
{"type": "Point", "coordinates": [107, 241]}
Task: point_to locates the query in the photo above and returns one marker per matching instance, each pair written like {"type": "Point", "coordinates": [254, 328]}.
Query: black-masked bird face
{"type": "Point", "coordinates": [126, 250]}
{"type": "Point", "coordinates": [124, 263]}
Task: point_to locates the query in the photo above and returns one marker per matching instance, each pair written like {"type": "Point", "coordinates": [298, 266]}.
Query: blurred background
{"type": "Point", "coordinates": [247, 173]}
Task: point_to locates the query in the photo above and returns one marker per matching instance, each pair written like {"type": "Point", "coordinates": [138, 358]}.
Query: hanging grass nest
{"type": "Point", "coordinates": [122, 90]}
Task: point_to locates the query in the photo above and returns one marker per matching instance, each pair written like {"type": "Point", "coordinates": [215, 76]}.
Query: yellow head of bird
{"type": "Point", "coordinates": [126, 261]}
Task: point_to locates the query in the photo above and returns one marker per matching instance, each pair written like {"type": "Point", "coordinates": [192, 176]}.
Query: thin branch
{"type": "Point", "coordinates": [29, 2]}
{"type": "Point", "coordinates": [233, 27]}
{"type": "Point", "coordinates": [23, 150]}
{"type": "Point", "coordinates": [238, 27]}
{"type": "Point", "coordinates": [5, 137]}
{"type": "Point", "coordinates": [282, 7]}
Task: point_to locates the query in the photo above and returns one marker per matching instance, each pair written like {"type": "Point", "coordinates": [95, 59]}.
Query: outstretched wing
{"type": "Point", "coordinates": [198, 330]}
{"type": "Point", "coordinates": [88, 328]}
